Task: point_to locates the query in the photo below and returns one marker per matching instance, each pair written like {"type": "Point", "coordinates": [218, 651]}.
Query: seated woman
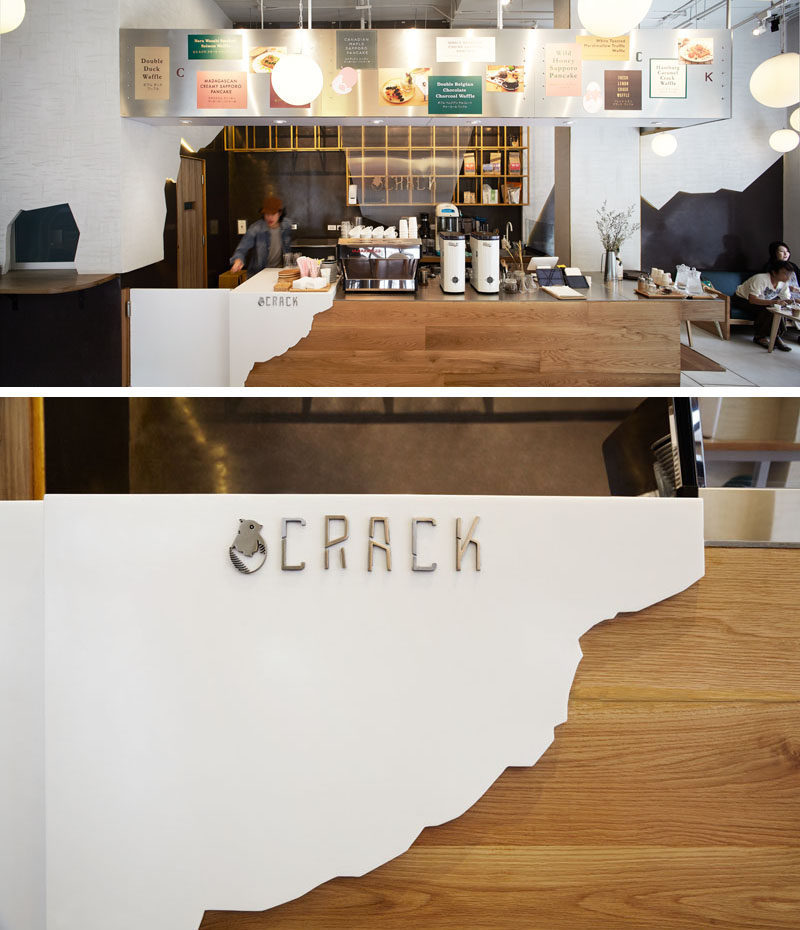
{"type": "Point", "coordinates": [762, 291]}
{"type": "Point", "coordinates": [779, 252]}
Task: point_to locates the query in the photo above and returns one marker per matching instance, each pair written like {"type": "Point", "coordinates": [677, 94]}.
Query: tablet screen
{"type": "Point", "coordinates": [576, 280]}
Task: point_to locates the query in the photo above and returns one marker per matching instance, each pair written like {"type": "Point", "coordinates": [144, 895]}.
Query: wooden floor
{"type": "Point", "coordinates": [474, 343]}
{"type": "Point", "coordinates": [670, 800]}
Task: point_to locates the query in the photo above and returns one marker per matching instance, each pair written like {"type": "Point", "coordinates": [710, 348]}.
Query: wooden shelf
{"type": "Point", "coordinates": [441, 150]}
{"type": "Point", "coordinates": [402, 157]}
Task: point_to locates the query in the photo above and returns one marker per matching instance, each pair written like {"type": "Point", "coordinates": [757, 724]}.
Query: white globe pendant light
{"type": "Point", "coordinates": [784, 140]}
{"type": "Point", "coordinates": [12, 12]}
{"type": "Point", "coordinates": [794, 120]}
{"type": "Point", "coordinates": [664, 144]}
{"type": "Point", "coordinates": [611, 17]}
{"type": "Point", "coordinates": [297, 79]}
{"type": "Point", "coordinates": [776, 81]}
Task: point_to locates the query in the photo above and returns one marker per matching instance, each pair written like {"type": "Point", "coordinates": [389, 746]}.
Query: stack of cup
{"type": "Point", "coordinates": [403, 228]}
{"type": "Point", "coordinates": [412, 227]}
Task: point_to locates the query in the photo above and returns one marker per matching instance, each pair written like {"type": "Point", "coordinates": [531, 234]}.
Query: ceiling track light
{"type": "Point", "coordinates": [761, 27]}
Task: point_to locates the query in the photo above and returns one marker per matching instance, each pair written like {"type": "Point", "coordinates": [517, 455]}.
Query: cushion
{"type": "Point", "coordinates": [727, 282]}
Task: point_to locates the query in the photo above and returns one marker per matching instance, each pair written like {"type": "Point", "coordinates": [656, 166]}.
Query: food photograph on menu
{"type": "Point", "coordinates": [696, 51]}
{"type": "Point", "coordinates": [264, 58]}
{"type": "Point", "coordinates": [505, 78]}
{"type": "Point", "coordinates": [397, 87]}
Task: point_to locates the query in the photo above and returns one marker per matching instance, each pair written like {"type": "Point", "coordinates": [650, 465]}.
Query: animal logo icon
{"type": "Point", "coordinates": [248, 542]}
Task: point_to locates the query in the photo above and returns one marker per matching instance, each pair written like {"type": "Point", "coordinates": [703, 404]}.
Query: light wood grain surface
{"type": "Point", "coordinates": [21, 448]}
{"type": "Point", "coordinates": [49, 282]}
{"type": "Point", "coordinates": [447, 343]}
{"type": "Point", "coordinates": [670, 800]}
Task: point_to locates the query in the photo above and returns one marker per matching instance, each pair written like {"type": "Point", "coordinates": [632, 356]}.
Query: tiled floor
{"type": "Point", "coordinates": [746, 364]}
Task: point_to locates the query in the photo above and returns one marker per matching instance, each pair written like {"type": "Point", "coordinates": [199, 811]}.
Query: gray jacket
{"type": "Point", "coordinates": [256, 242]}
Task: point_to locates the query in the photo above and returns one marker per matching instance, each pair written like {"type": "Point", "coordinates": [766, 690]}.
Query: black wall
{"type": "Point", "coordinates": [724, 231]}
{"type": "Point", "coordinates": [313, 186]}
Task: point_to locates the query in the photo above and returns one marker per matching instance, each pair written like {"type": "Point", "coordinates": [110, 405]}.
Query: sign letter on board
{"type": "Point", "coordinates": [284, 529]}
{"type": "Point", "coordinates": [415, 566]}
{"type": "Point", "coordinates": [374, 544]}
{"type": "Point", "coordinates": [462, 544]}
{"type": "Point", "coordinates": [329, 543]}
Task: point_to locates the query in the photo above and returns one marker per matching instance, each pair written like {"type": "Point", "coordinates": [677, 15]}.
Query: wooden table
{"type": "Point", "coordinates": [670, 800]}
{"type": "Point", "coordinates": [778, 314]}
{"type": "Point", "coordinates": [761, 452]}
{"type": "Point", "coordinates": [436, 339]}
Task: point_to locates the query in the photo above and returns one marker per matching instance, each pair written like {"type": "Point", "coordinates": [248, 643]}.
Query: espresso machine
{"type": "Point", "coordinates": [453, 247]}
{"type": "Point", "coordinates": [485, 248]}
{"type": "Point", "coordinates": [370, 265]}
{"type": "Point", "coordinates": [447, 220]}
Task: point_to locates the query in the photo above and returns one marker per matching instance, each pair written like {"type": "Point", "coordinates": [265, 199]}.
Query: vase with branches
{"type": "Point", "coordinates": [614, 226]}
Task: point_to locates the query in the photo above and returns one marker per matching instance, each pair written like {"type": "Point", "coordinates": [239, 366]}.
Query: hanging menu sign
{"type": "Point", "coordinates": [356, 48]}
{"type": "Point", "coordinates": [221, 90]}
{"type": "Point", "coordinates": [562, 69]}
{"type": "Point", "coordinates": [623, 90]}
{"type": "Point", "coordinates": [224, 47]}
{"type": "Point", "coordinates": [667, 77]}
{"type": "Point", "coordinates": [278, 103]}
{"type": "Point", "coordinates": [151, 72]}
{"type": "Point", "coordinates": [559, 72]}
{"type": "Point", "coordinates": [449, 96]}
{"type": "Point", "coordinates": [597, 48]}
{"type": "Point", "coordinates": [465, 48]}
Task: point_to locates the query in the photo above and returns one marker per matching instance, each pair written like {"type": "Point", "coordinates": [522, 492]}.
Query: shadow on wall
{"type": "Point", "coordinates": [723, 231]}
{"type": "Point", "coordinates": [543, 235]}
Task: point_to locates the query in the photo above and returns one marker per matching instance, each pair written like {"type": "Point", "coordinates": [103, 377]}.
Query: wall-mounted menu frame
{"type": "Point", "coordinates": [667, 79]}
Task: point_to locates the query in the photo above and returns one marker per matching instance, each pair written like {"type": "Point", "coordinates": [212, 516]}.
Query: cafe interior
{"type": "Point", "coordinates": [150, 194]}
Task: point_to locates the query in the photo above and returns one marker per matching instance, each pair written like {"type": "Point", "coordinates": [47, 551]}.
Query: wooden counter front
{"type": "Point", "coordinates": [434, 339]}
{"type": "Point", "coordinates": [669, 800]}
{"type": "Point", "coordinates": [59, 328]}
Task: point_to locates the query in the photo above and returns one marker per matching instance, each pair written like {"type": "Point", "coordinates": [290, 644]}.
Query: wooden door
{"type": "Point", "coordinates": [191, 191]}
{"type": "Point", "coordinates": [21, 448]}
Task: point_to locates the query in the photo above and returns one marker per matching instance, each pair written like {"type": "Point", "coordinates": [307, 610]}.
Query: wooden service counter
{"type": "Point", "coordinates": [669, 799]}
{"type": "Point", "coordinates": [61, 328]}
{"type": "Point", "coordinates": [613, 338]}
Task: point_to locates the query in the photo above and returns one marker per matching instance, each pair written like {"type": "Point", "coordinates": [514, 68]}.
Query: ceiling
{"type": "Point", "coordinates": [469, 13]}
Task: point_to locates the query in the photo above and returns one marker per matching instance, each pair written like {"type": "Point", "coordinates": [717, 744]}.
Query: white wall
{"type": "Point", "coordinates": [62, 139]}
{"type": "Point", "coordinates": [151, 154]}
{"type": "Point", "coordinates": [604, 167]}
{"type": "Point", "coordinates": [59, 122]}
{"type": "Point", "coordinates": [22, 846]}
{"type": "Point", "coordinates": [726, 154]}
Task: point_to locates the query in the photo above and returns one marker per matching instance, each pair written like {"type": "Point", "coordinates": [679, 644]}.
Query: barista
{"type": "Point", "coordinates": [266, 241]}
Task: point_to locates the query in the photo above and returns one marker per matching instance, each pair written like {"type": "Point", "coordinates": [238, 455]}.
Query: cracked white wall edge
{"type": "Point", "coordinates": [398, 698]}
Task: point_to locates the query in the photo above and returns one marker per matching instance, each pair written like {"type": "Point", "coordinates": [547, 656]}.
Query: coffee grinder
{"type": "Point", "coordinates": [453, 250]}
{"type": "Point", "coordinates": [447, 216]}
